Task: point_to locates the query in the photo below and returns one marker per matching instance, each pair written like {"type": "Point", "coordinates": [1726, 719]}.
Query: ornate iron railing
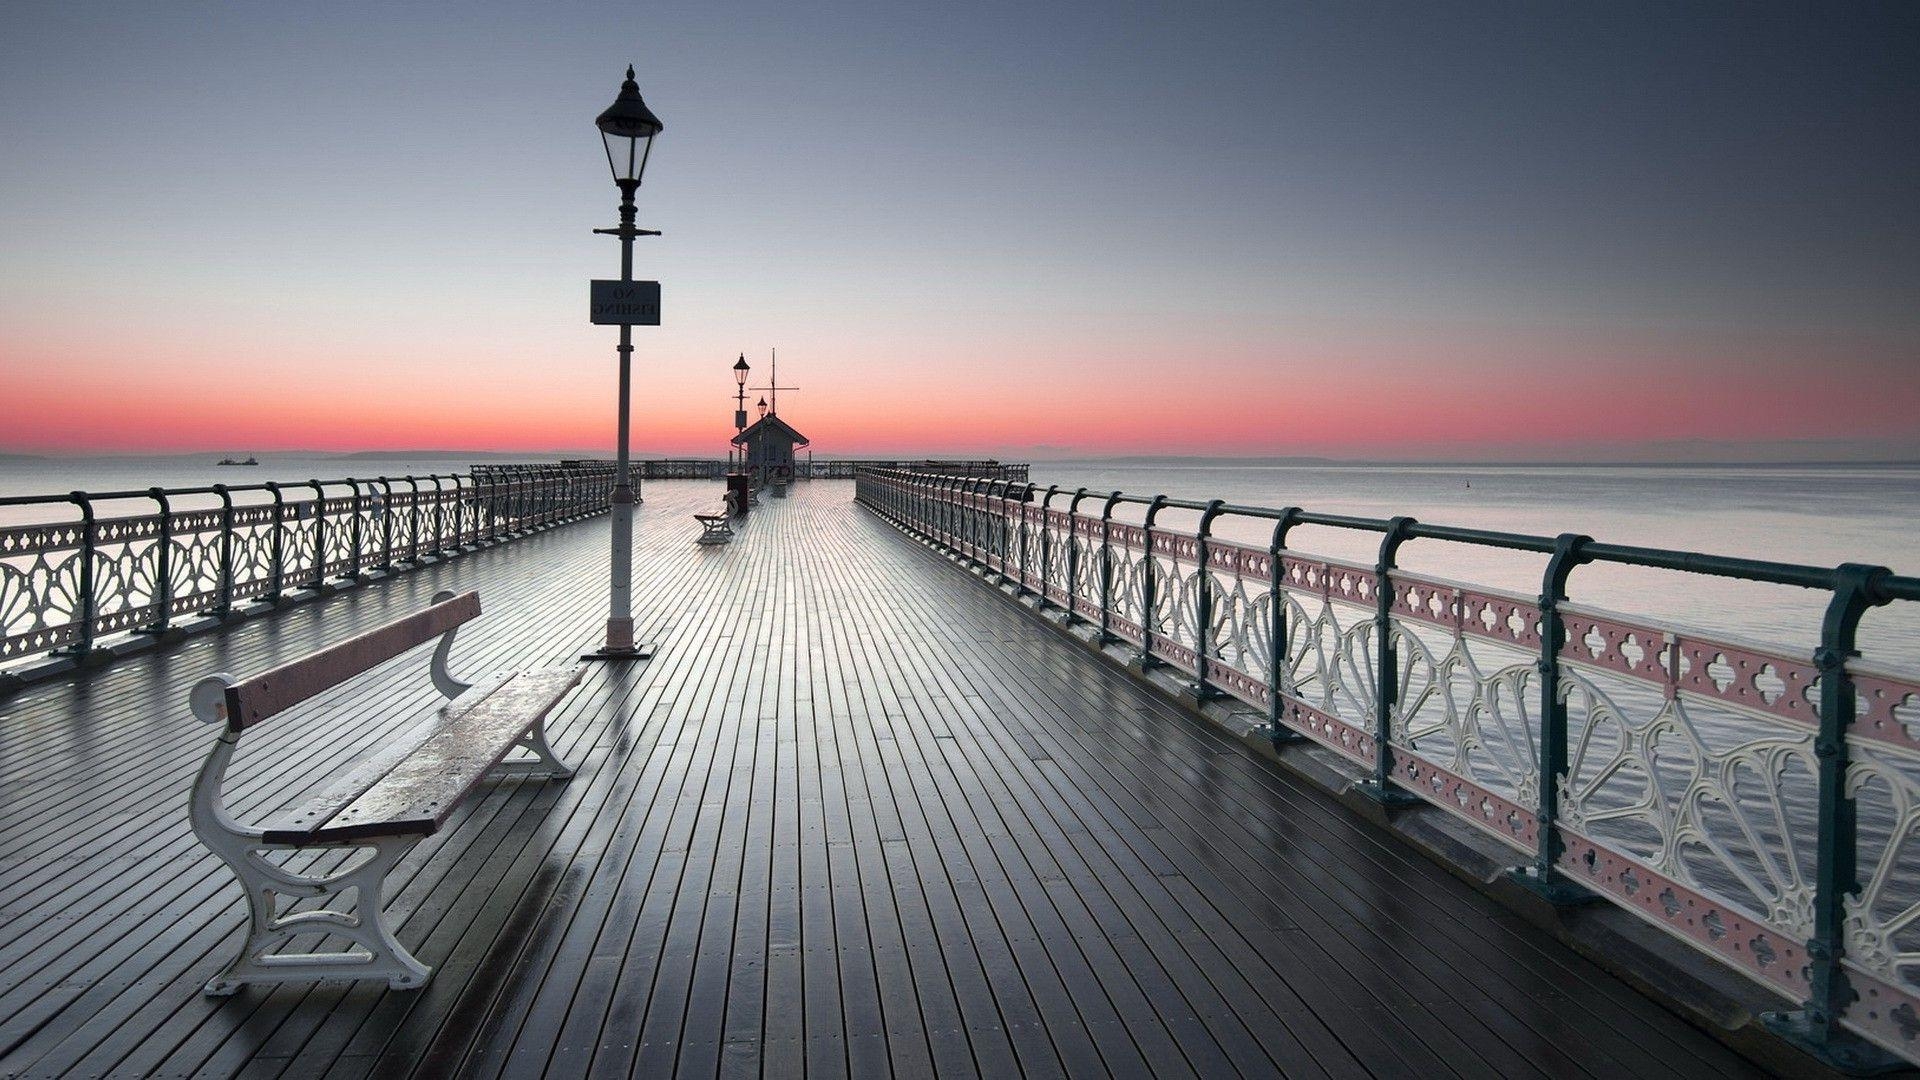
{"type": "Point", "coordinates": [1761, 805]}
{"type": "Point", "coordinates": [66, 584]}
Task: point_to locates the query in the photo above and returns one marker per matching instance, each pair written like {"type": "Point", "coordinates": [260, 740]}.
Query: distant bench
{"type": "Point", "coordinates": [385, 804]}
{"type": "Point", "coordinates": [714, 528]}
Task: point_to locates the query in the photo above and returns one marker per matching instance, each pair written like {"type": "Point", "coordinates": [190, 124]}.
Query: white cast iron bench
{"type": "Point", "coordinates": [383, 805]}
{"type": "Point", "coordinates": [715, 529]}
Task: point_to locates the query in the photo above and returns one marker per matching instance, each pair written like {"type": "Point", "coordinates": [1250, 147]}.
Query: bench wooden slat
{"type": "Point", "coordinates": [255, 699]}
{"type": "Point", "coordinates": [299, 823]}
{"type": "Point", "coordinates": [413, 787]}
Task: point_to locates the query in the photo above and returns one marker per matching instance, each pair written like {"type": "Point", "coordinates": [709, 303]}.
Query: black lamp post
{"type": "Point", "coordinates": [740, 369]}
{"type": "Point", "coordinates": [627, 128]}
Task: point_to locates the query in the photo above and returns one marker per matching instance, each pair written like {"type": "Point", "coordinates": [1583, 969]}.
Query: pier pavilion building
{"type": "Point", "coordinates": [769, 446]}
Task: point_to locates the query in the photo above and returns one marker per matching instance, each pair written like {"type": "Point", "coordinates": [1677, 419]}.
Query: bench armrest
{"type": "Point", "coordinates": [207, 804]}
{"type": "Point", "coordinates": [443, 679]}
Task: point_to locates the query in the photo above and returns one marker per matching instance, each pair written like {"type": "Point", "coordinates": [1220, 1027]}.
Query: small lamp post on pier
{"type": "Point", "coordinates": [627, 128]}
{"type": "Point", "coordinates": [739, 484]}
{"type": "Point", "coordinates": [740, 369]}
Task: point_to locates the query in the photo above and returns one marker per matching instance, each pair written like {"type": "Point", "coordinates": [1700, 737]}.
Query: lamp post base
{"type": "Point", "coordinates": [620, 644]}
{"type": "Point", "coordinates": [633, 652]}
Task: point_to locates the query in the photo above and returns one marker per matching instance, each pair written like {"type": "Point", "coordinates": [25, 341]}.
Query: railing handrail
{"type": "Point", "coordinates": [1779, 573]}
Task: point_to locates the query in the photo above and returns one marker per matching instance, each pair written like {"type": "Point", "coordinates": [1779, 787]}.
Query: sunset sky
{"type": "Point", "coordinates": [1008, 228]}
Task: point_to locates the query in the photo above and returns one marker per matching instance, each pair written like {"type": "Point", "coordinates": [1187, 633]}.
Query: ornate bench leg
{"type": "Point", "coordinates": [379, 956]}
{"type": "Point", "coordinates": [546, 763]}
{"type": "Point", "coordinates": [244, 850]}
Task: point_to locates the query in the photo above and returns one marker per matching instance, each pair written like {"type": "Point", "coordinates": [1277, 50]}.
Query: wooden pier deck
{"type": "Point", "coordinates": [858, 816]}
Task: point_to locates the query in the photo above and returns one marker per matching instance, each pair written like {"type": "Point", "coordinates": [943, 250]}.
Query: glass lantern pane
{"type": "Point", "coordinates": [625, 156]}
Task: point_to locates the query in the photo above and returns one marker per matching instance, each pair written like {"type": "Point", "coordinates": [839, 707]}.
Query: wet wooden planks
{"type": "Point", "coordinates": [857, 817]}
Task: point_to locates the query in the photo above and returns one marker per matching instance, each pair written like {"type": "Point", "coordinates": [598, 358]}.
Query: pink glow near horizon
{"type": "Point", "coordinates": [1337, 401]}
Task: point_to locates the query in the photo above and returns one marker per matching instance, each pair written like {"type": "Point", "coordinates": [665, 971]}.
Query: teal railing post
{"type": "Point", "coordinates": [458, 534]}
{"type": "Point", "coordinates": [223, 604]}
{"type": "Point", "coordinates": [480, 518]}
{"type": "Point", "coordinates": [1021, 588]}
{"type": "Point", "coordinates": [1073, 556]}
{"type": "Point", "coordinates": [358, 539]}
{"type": "Point", "coordinates": [947, 529]}
{"type": "Point", "coordinates": [1815, 1026]}
{"type": "Point", "coordinates": [162, 566]}
{"type": "Point", "coordinates": [438, 533]}
{"type": "Point", "coordinates": [980, 533]}
{"type": "Point", "coordinates": [87, 605]}
{"type": "Point", "coordinates": [974, 521]}
{"type": "Point", "coordinates": [955, 527]}
{"type": "Point", "coordinates": [1006, 522]}
{"type": "Point", "coordinates": [1046, 540]}
{"type": "Point", "coordinates": [1569, 551]}
{"type": "Point", "coordinates": [1203, 637]}
{"type": "Point", "coordinates": [413, 520]}
{"type": "Point", "coordinates": [476, 521]}
{"type": "Point", "coordinates": [1149, 597]}
{"type": "Point", "coordinates": [463, 485]}
{"type": "Point", "coordinates": [384, 502]}
{"type": "Point", "coordinates": [319, 581]}
{"type": "Point", "coordinates": [977, 520]}
{"type": "Point", "coordinates": [276, 546]}
{"type": "Point", "coordinates": [489, 506]}
{"type": "Point", "coordinates": [1379, 786]}
{"type": "Point", "coordinates": [967, 524]}
{"type": "Point", "coordinates": [1003, 530]}
{"type": "Point", "coordinates": [982, 522]}
{"type": "Point", "coordinates": [1107, 636]}
{"type": "Point", "coordinates": [1278, 646]}
{"type": "Point", "coordinates": [943, 512]}
{"type": "Point", "coordinates": [957, 515]}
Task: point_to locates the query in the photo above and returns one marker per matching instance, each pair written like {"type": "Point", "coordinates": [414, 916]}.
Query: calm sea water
{"type": "Point", "coordinates": [50, 476]}
{"type": "Point", "coordinates": [58, 476]}
{"type": "Point", "coordinates": [1822, 515]}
